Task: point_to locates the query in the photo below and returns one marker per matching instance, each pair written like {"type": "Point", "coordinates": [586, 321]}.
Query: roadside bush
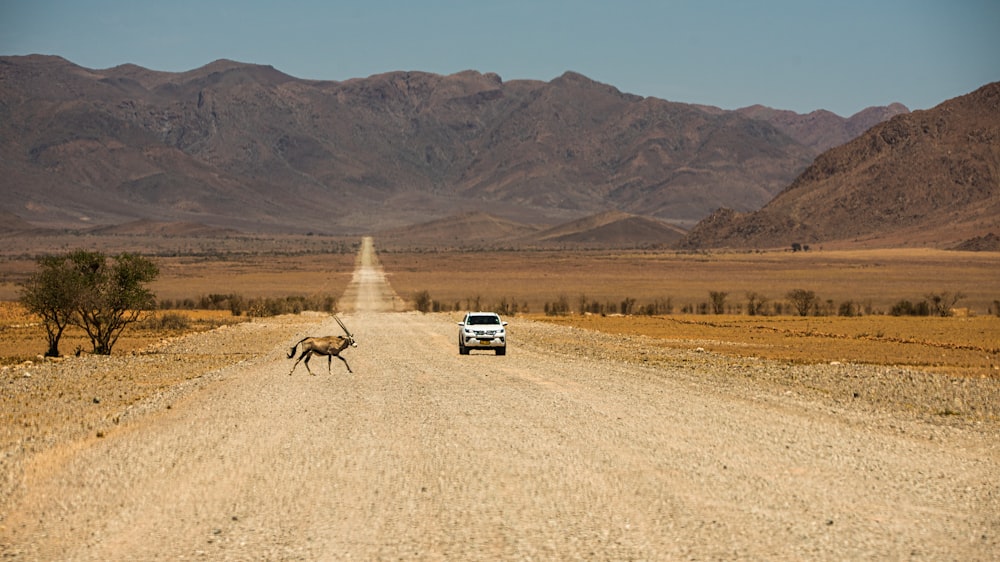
{"type": "Point", "coordinates": [166, 321]}
{"type": "Point", "coordinates": [422, 301]}
{"type": "Point", "coordinates": [238, 305]}
{"type": "Point", "coordinates": [510, 307]}
{"type": "Point", "coordinates": [558, 308]}
{"type": "Point", "coordinates": [290, 305]}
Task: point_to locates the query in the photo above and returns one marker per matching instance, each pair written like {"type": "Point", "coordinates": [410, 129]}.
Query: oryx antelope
{"type": "Point", "coordinates": [331, 346]}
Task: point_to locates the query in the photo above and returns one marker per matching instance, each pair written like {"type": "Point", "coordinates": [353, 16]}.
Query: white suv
{"type": "Point", "coordinates": [482, 330]}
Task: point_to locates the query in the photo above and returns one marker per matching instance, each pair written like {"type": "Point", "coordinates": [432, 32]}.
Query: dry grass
{"type": "Point", "coordinates": [257, 276]}
{"type": "Point", "coordinates": [877, 278]}
{"type": "Point", "coordinates": [957, 346]}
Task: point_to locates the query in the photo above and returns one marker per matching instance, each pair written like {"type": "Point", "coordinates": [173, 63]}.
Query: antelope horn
{"type": "Point", "coordinates": [346, 331]}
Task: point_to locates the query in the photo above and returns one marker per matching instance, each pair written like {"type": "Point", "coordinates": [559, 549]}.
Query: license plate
{"type": "Point", "coordinates": [484, 342]}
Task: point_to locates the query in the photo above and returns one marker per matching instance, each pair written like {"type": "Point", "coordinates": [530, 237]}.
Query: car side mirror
{"type": "Point", "coordinates": [461, 323]}
{"type": "Point", "coordinates": [503, 323]}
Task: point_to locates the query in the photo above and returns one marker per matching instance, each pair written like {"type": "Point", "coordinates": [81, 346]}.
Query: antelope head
{"type": "Point", "coordinates": [350, 336]}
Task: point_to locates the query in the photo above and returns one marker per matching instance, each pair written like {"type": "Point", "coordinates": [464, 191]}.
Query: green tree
{"type": "Point", "coordinates": [52, 293]}
{"type": "Point", "coordinates": [114, 295]}
{"type": "Point", "coordinates": [85, 289]}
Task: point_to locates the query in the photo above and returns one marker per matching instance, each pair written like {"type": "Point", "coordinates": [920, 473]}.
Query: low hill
{"type": "Point", "coordinates": [145, 227]}
{"type": "Point", "coordinates": [9, 222]}
{"type": "Point", "coordinates": [927, 178]}
{"type": "Point", "coordinates": [466, 230]}
{"type": "Point", "coordinates": [612, 228]}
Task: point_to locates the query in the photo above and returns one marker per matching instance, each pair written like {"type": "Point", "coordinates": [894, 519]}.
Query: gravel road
{"type": "Point", "coordinates": [566, 448]}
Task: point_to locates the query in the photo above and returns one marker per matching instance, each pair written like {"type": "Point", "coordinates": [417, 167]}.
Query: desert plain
{"type": "Point", "coordinates": [669, 292]}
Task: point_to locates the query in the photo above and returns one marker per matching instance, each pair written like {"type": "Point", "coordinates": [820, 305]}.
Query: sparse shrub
{"type": "Point", "coordinates": [558, 308]}
{"type": "Point", "coordinates": [236, 305]}
{"type": "Point", "coordinates": [942, 304]}
{"type": "Point", "coordinates": [934, 304]}
{"type": "Point", "coordinates": [849, 308]}
{"type": "Point", "coordinates": [802, 300]}
{"type": "Point", "coordinates": [422, 301]}
{"type": "Point", "coordinates": [755, 304]}
{"type": "Point", "coordinates": [215, 301]}
{"type": "Point", "coordinates": [718, 299]}
{"type": "Point", "coordinates": [262, 307]}
{"type": "Point", "coordinates": [825, 310]}
{"type": "Point", "coordinates": [907, 308]}
{"type": "Point", "coordinates": [658, 307]}
{"type": "Point", "coordinates": [505, 307]}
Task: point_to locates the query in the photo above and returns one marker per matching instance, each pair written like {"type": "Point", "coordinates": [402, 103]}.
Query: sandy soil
{"type": "Point", "coordinates": [569, 447]}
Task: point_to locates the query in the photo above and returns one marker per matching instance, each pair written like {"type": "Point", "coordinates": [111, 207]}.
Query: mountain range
{"type": "Point", "coordinates": [926, 178]}
{"type": "Point", "coordinates": [246, 148]}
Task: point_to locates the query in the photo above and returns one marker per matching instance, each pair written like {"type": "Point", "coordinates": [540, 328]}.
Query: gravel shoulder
{"type": "Point", "coordinates": [576, 445]}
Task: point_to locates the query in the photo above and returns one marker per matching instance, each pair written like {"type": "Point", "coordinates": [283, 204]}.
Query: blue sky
{"type": "Point", "coordinates": [799, 55]}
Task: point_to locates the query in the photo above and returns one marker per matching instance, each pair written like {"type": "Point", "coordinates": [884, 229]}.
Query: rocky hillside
{"type": "Point", "coordinates": [246, 147]}
{"type": "Point", "coordinates": [924, 178]}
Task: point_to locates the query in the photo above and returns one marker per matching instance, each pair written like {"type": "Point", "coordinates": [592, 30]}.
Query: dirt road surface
{"type": "Point", "coordinates": [423, 454]}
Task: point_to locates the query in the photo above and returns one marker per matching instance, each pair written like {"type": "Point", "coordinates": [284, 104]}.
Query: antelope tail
{"type": "Point", "coordinates": [292, 352]}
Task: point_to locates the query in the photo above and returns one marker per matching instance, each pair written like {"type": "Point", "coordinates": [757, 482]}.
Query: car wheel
{"type": "Point", "coordinates": [462, 350]}
{"type": "Point", "coordinates": [501, 351]}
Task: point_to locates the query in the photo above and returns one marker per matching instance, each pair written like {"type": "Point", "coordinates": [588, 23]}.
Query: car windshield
{"type": "Point", "coordinates": [483, 320]}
